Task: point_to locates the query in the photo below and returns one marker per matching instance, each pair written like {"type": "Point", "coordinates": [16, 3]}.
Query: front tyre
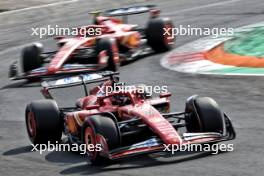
{"type": "Point", "coordinates": [104, 127]}
{"type": "Point", "coordinates": [43, 122]}
{"type": "Point", "coordinates": [31, 57]}
{"type": "Point", "coordinates": [203, 115]}
{"type": "Point", "coordinates": [157, 37]}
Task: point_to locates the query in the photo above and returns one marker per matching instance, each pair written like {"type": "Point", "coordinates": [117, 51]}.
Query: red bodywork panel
{"type": "Point", "coordinates": [138, 107]}
{"type": "Point", "coordinates": [156, 122]}
{"type": "Point", "coordinates": [110, 27]}
{"type": "Point", "coordinates": [66, 51]}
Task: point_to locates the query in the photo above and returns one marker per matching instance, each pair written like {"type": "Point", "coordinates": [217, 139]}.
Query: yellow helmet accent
{"type": "Point", "coordinates": [95, 13]}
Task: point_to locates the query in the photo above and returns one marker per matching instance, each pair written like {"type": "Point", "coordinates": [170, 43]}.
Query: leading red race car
{"type": "Point", "coordinates": [123, 123]}
{"type": "Point", "coordinates": [117, 43]}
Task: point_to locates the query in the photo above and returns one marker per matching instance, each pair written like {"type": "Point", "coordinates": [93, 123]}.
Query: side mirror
{"type": "Point", "coordinates": [164, 95]}
{"type": "Point", "coordinates": [92, 107]}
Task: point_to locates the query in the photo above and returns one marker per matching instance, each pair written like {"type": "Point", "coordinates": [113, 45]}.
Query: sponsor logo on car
{"type": "Point", "coordinates": [148, 143]}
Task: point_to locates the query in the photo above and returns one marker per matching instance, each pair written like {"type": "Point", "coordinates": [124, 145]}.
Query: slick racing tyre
{"type": "Point", "coordinates": [100, 125]}
{"type": "Point", "coordinates": [203, 115]}
{"type": "Point", "coordinates": [109, 46]}
{"type": "Point", "coordinates": [43, 122]}
{"type": "Point", "coordinates": [31, 57]}
{"type": "Point", "coordinates": [157, 38]}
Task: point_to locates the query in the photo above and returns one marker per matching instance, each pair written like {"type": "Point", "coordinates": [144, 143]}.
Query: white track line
{"type": "Point", "coordinates": [202, 7]}
{"type": "Point", "coordinates": [37, 7]}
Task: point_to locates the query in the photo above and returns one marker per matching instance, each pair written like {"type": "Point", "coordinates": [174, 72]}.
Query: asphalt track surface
{"type": "Point", "coordinates": [14, 4]}
{"type": "Point", "coordinates": [240, 97]}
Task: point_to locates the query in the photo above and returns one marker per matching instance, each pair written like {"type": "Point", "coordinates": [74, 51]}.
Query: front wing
{"type": "Point", "coordinates": [67, 69]}
{"type": "Point", "coordinates": [156, 145]}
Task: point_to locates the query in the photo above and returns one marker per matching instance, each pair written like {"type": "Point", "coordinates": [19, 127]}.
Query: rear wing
{"type": "Point", "coordinates": [133, 10]}
{"type": "Point", "coordinates": [71, 81]}
{"type": "Point", "coordinates": [129, 10]}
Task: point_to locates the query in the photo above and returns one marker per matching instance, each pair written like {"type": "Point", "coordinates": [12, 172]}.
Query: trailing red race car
{"type": "Point", "coordinates": [118, 42]}
{"type": "Point", "coordinates": [124, 123]}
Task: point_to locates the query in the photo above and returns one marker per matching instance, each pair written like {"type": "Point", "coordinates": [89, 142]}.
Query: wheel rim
{"type": "Point", "coordinates": [90, 139]}
{"type": "Point", "coordinates": [168, 37]}
{"type": "Point", "coordinates": [31, 124]}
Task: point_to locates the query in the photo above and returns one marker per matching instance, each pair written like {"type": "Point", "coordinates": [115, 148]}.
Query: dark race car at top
{"type": "Point", "coordinates": [123, 123]}
{"type": "Point", "coordinates": [117, 43]}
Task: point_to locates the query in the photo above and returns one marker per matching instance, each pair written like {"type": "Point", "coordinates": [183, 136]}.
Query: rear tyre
{"type": "Point", "coordinates": [104, 126]}
{"type": "Point", "coordinates": [31, 57]}
{"type": "Point", "coordinates": [43, 122]}
{"type": "Point", "coordinates": [109, 46]}
{"type": "Point", "coordinates": [155, 34]}
{"type": "Point", "coordinates": [204, 115]}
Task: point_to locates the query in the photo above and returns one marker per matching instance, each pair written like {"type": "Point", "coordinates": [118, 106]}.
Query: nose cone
{"type": "Point", "coordinates": [51, 70]}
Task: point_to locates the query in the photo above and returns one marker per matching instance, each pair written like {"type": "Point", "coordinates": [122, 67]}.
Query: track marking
{"type": "Point", "coordinates": [203, 6]}
{"type": "Point", "coordinates": [191, 58]}
{"type": "Point", "coordinates": [38, 7]}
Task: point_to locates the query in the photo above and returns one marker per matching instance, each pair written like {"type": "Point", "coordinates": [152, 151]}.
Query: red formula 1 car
{"type": "Point", "coordinates": [123, 123]}
{"type": "Point", "coordinates": [113, 42]}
